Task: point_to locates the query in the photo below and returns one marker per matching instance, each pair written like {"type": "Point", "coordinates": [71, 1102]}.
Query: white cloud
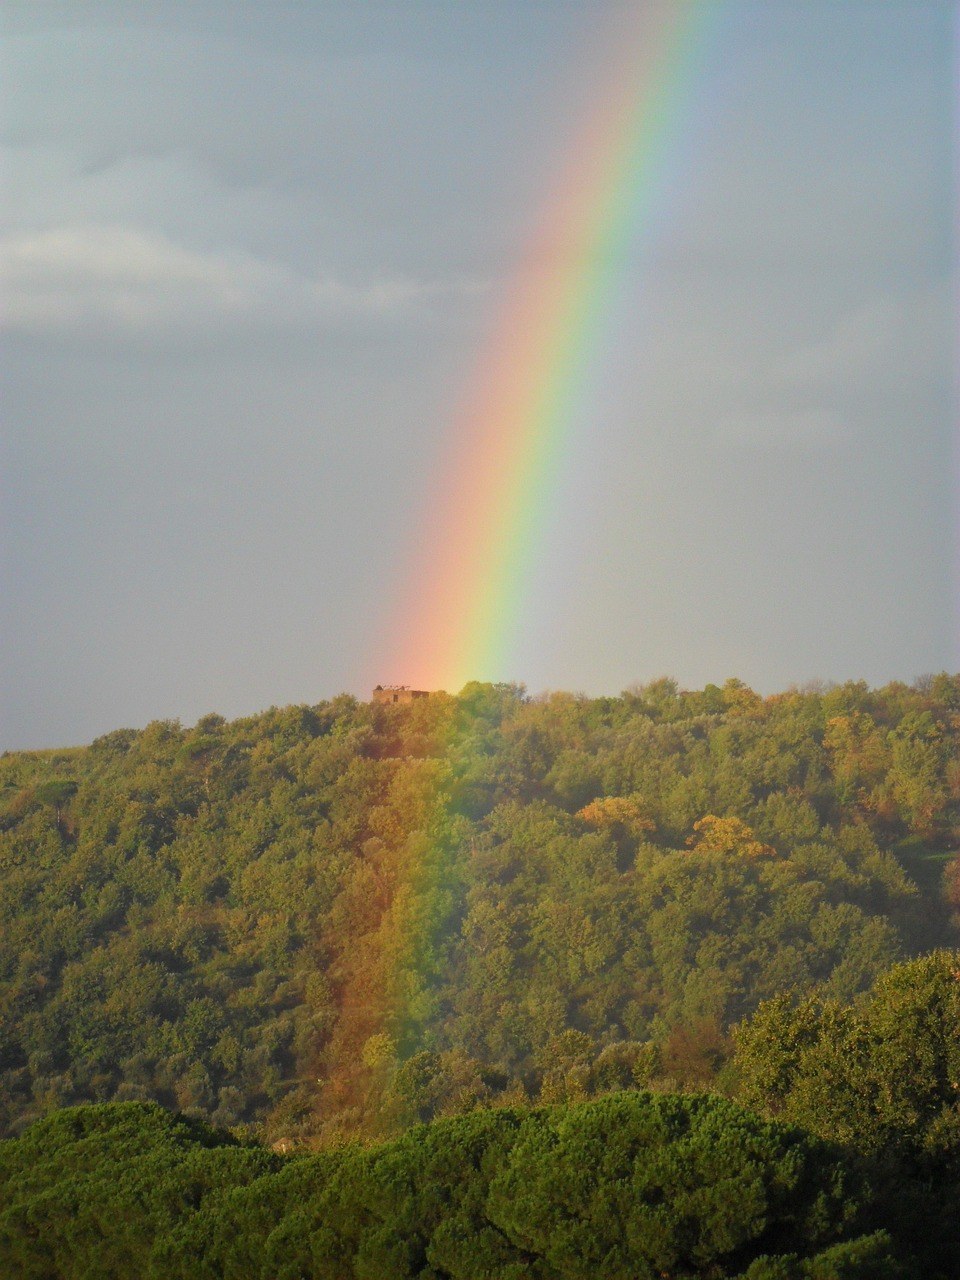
{"type": "Point", "coordinates": [126, 280]}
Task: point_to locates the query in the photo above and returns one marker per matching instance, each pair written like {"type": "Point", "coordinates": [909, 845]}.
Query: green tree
{"type": "Point", "coordinates": [57, 792]}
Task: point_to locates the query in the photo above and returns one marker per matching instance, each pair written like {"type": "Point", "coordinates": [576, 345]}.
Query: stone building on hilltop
{"type": "Point", "coordinates": [397, 693]}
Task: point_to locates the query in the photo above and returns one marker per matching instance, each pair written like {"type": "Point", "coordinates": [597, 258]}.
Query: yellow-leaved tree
{"type": "Point", "coordinates": [727, 835]}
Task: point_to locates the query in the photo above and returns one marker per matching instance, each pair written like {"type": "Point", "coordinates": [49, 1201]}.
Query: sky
{"type": "Point", "coordinates": [249, 255]}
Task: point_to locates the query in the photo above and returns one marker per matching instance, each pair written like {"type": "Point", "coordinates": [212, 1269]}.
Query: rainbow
{"type": "Point", "coordinates": [461, 607]}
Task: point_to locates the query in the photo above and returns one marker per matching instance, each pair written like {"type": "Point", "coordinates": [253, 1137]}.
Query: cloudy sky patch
{"type": "Point", "coordinates": [250, 256]}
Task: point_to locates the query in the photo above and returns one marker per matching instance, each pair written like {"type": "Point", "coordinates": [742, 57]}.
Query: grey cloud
{"type": "Point", "coordinates": [799, 428]}
{"type": "Point", "coordinates": [890, 336]}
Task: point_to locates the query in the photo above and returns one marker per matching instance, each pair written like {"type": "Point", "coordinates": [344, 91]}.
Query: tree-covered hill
{"type": "Point", "coordinates": [345, 918]}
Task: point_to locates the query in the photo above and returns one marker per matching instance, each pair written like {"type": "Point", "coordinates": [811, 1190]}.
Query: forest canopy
{"type": "Point", "coordinates": [341, 919]}
{"type": "Point", "coordinates": [630, 1187]}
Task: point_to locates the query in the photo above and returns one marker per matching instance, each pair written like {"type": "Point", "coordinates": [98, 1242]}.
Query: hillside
{"type": "Point", "coordinates": [344, 918]}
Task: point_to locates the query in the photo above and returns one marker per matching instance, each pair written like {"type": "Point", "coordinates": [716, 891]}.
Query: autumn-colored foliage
{"type": "Point", "coordinates": [727, 835]}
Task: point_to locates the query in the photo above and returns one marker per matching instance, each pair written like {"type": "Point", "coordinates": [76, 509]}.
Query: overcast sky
{"type": "Point", "coordinates": [249, 254]}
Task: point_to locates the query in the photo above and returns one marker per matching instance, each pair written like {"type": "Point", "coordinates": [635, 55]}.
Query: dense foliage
{"type": "Point", "coordinates": [350, 917]}
{"type": "Point", "coordinates": [882, 1078]}
{"type": "Point", "coordinates": [630, 1187]}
